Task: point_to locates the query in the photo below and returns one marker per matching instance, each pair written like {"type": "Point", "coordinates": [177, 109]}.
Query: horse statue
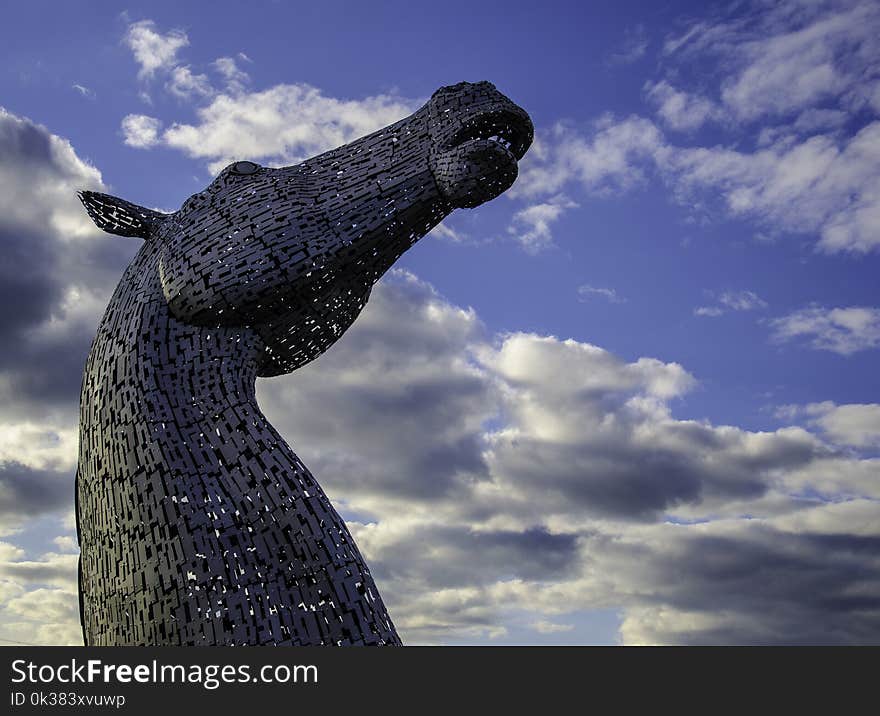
{"type": "Point", "coordinates": [197, 524]}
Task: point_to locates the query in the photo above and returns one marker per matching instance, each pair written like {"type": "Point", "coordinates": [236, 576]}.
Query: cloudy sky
{"type": "Point", "coordinates": [634, 400]}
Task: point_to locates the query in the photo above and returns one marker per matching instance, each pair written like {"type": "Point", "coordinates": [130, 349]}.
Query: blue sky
{"type": "Point", "coordinates": [703, 193]}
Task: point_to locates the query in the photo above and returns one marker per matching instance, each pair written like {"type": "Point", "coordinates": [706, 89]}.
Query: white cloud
{"type": "Point", "coordinates": [680, 110]}
{"type": "Point", "coordinates": [804, 62]}
{"type": "Point", "coordinates": [234, 77]}
{"type": "Point", "coordinates": [283, 124]}
{"type": "Point", "coordinates": [45, 606]}
{"type": "Point", "coordinates": [185, 84]}
{"type": "Point", "coordinates": [609, 161]}
{"type": "Point", "coordinates": [813, 120]}
{"type": "Point", "coordinates": [157, 53]}
{"type": "Point", "coordinates": [38, 598]}
{"type": "Point", "coordinates": [585, 292]}
{"type": "Point", "coordinates": [823, 185]}
{"type": "Point", "coordinates": [531, 225]}
{"type": "Point", "coordinates": [39, 190]}
{"type": "Point", "coordinates": [840, 330]}
{"type": "Point", "coordinates": [84, 91]}
{"type": "Point", "coordinates": [153, 50]}
{"type": "Point", "coordinates": [52, 569]}
{"type": "Point", "coordinates": [444, 230]}
{"type": "Point", "coordinates": [779, 58]}
{"type": "Point", "coordinates": [859, 517]}
{"type": "Point", "coordinates": [819, 185]}
{"type": "Point", "coordinates": [854, 424]}
{"type": "Point", "coordinates": [66, 544]}
{"type": "Point", "coordinates": [140, 130]}
{"type": "Point", "coordinates": [39, 446]}
{"type": "Point", "coordinates": [732, 301]}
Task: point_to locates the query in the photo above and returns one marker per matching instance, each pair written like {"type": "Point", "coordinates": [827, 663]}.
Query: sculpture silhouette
{"type": "Point", "coordinates": [197, 523]}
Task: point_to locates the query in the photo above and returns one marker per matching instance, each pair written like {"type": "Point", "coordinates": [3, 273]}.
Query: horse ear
{"type": "Point", "coordinates": [117, 216]}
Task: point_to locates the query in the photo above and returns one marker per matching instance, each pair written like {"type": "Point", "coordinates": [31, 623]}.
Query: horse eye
{"type": "Point", "coordinates": [244, 168]}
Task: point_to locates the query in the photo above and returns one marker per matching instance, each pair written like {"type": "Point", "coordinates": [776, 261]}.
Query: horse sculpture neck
{"type": "Point", "coordinates": [195, 489]}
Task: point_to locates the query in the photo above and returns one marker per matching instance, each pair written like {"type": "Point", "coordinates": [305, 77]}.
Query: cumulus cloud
{"type": "Point", "coordinates": [37, 162]}
{"type": "Point", "coordinates": [57, 273]}
{"type": "Point", "coordinates": [66, 544]}
{"type": "Point", "coordinates": [414, 350]}
{"type": "Point", "coordinates": [45, 606]}
{"type": "Point", "coordinates": [550, 476]}
{"type": "Point", "coordinates": [52, 569]}
{"type": "Point", "coordinates": [284, 124]}
{"type": "Point", "coordinates": [57, 269]}
{"type": "Point", "coordinates": [840, 330]}
{"type": "Point", "coordinates": [38, 597]}
{"type": "Point", "coordinates": [771, 565]}
{"type": "Point", "coordinates": [855, 424]}
{"type": "Point", "coordinates": [152, 49]}
{"type": "Point", "coordinates": [140, 130]}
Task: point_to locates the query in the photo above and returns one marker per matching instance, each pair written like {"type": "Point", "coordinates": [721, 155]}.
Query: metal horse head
{"type": "Point", "coordinates": [294, 251]}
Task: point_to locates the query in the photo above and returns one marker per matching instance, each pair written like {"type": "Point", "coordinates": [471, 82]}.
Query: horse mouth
{"type": "Point", "coordinates": [507, 128]}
